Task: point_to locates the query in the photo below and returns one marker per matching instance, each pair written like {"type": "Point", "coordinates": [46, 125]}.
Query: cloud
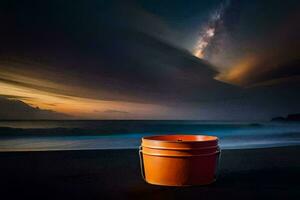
{"type": "Point", "coordinates": [103, 55]}
{"type": "Point", "coordinates": [115, 111]}
{"type": "Point", "coordinates": [252, 42]}
{"type": "Point", "coordinates": [12, 110]}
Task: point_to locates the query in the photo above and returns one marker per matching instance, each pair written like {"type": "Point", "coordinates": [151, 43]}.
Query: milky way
{"type": "Point", "coordinates": [208, 32]}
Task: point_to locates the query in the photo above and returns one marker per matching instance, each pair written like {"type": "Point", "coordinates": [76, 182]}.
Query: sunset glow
{"type": "Point", "coordinates": [71, 105]}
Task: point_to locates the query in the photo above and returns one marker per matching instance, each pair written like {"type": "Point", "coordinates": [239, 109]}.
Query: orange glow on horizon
{"type": "Point", "coordinates": [75, 106]}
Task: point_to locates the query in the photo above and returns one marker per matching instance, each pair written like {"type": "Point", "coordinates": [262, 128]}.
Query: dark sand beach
{"type": "Point", "coordinates": [271, 173]}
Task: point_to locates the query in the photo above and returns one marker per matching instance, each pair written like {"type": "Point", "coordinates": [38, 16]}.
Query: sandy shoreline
{"type": "Point", "coordinates": [115, 174]}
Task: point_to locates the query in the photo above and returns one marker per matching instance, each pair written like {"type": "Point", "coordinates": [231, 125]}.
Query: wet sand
{"type": "Point", "coordinates": [271, 173]}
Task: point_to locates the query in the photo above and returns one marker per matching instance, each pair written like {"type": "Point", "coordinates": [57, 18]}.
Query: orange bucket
{"type": "Point", "coordinates": [179, 160]}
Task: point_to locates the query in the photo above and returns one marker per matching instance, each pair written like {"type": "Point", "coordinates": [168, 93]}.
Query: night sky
{"type": "Point", "coordinates": [154, 59]}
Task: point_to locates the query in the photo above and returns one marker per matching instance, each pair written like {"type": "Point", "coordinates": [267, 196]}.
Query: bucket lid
{"type": "Point", "coordinates": [179, 141]}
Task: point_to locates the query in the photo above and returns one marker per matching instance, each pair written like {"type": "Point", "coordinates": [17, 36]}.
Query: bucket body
{"type": "Point", "coordinates": [179, 160]}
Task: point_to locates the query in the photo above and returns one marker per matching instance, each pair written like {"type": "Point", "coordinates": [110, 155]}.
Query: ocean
{"type": "Point", "coordinates": [126, 134]}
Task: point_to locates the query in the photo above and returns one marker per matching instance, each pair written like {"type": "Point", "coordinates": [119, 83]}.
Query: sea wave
{"type": "Point", "coordinates": [127, 135]}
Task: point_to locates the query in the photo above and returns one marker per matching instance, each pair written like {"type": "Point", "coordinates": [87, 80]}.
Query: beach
{"type": "Point", "coordinates": [269, 173]}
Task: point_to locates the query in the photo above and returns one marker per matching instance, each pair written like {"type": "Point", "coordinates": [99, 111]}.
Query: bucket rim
{"type": "Point", "coordinates": [155, 138]}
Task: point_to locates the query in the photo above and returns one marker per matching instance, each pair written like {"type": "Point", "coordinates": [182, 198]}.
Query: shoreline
{"type": "Point", "coordinates": [235, 148]}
